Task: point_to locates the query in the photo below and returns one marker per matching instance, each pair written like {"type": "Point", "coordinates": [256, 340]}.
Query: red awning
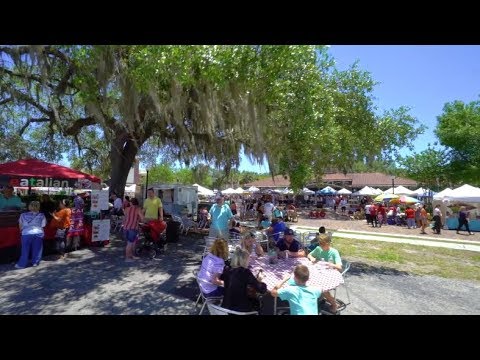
{"type": "Point", "coordinates": [39, 168]}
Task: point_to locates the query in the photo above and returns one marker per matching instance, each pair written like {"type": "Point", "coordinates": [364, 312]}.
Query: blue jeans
{"type": "Point", "coordinates": [32, 243]}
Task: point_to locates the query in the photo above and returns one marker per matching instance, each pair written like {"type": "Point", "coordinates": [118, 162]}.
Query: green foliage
{"type": "Point", "coordinates": [105, 105]}
{"type": "Point", "coordinates": [458, 128]}
{"type": "Point", "coordinates": [429, 167]}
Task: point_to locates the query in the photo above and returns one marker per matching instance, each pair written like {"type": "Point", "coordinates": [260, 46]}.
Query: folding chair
{"type": "Point", "coordinates": [218, 310]}
{"type": "Point", "coordinates": [340, 304]}
{"type": "Point", "coordinates": [202, 297]}
{"type": "Point", "coordinates": [281, 310]}
{"type": "Point", "coordinates": [346, 268]}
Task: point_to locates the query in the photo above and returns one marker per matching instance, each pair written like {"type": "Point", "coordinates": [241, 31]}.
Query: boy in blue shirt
{"type": "Point", "coordinates": [303, 299]}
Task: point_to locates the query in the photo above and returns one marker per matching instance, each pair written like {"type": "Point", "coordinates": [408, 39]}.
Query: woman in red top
{"type": "Point", "coordinates": [410, 215]}
{"type": "Point", "coordinates": [133, 215]}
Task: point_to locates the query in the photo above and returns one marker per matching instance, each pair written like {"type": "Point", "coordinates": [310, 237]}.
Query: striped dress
{"type": "Point", "coordinates": [132, 217]}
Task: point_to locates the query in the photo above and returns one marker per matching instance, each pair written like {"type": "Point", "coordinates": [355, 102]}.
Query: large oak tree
{"type": "Point", "coordinates": [105, 105]}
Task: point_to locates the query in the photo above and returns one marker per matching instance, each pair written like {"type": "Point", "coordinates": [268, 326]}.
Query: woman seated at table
{"type": "Point", "coordinates": [250, 244]}
{"type": "Point", "coordinates": [211, 269]}
{"type": "Point", "coordinates": [325, 252]}
{"type": "Point", "coordinates": [241, 286]}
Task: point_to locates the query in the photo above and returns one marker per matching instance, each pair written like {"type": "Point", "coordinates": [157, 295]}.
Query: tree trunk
{"type": "Point", "coordinates": [122, 155]}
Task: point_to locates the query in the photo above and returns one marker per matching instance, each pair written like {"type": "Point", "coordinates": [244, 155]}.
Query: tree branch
{"type": "Point", "coordinates": [4, 101]}
{"type": "Point", "coordinates": [29, 121]}
{"type": "Point", "coordinates": [28, 99]}
{"type": "Point", "coordinates": [78, 124]}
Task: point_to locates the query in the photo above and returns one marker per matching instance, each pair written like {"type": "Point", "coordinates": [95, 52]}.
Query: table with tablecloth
{"type": "Point", "coordinates": [320, 276]}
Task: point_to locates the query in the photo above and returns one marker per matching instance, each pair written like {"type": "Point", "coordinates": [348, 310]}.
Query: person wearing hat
{"type": "Point", "coordinates": [8, 200]}
{"type": "Point", "coordinates": [220, 216]}
{"type": "Point", "coordinates": [289, 246]}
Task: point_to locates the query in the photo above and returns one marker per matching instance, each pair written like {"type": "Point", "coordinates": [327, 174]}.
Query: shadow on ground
{"type": "Point", "coordinates": [99, 281]}
{"type": "Point", "coordinates": [360, 268]}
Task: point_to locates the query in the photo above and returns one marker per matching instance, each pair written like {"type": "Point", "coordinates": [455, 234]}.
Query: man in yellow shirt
{"type": "Point", "coordinates": [152, 207]}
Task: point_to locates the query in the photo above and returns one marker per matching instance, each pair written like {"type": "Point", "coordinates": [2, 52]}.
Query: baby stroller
{"type": "Point", "coordinates": [154, 236]}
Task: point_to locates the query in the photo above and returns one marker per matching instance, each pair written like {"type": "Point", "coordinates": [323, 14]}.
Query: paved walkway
{"type": "Point", "coordinates": [470, 245]}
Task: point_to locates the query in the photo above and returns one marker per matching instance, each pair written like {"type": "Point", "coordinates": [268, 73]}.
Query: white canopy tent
{"type": "Point", "coordinates": [344, 192]}
{"type": "Point", "coordinates": [253, 189]}
{"type": "Point", "coordinates": [442, 194]}
{"type": "Point", "coordinates": [228, 191]}
{"type": "Point", "coordinates": [128, 189]}
{"type": "Point", "coordinates": [306, 191]}
{"type": "Point", "coordinates": [239, 190]}
{"type": "Point", "coordinates": [400, 190]}
{"type": "Point", "coordinates": [420, 191]}
{"type": "Point", "coordinates": [366, 191]}
{"type": "Point", "coordinates": [464, 193]}
{"type": "Point", "coordinates": [203, 191]}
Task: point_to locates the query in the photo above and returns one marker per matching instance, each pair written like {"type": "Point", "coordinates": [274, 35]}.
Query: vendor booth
{"type": "Point", "coordinates": [450, 202]}
{"type": "Point", "coordinates": [33, 173]}
{"type": "Point", "coordinates": [465, 195]}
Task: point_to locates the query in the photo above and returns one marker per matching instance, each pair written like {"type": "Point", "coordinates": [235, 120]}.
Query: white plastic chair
{"type": "Point", "coordinates": [218, 310]}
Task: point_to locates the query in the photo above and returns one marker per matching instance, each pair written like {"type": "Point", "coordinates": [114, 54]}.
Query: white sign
{"type": "Point", "coordinates": [99, 200]}
{"type": "Point", "coordinates": [100, 230]}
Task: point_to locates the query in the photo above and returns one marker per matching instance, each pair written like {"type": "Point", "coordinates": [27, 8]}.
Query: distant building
{"type": "Point", "coordinates": [352, 181]}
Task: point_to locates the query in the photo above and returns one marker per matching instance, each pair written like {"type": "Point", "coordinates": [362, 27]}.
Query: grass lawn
{"type": "Point", "coordinates": [414, 259]}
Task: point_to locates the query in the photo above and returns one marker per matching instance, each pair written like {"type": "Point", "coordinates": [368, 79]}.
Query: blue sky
{"type": "Point", "coordinates": [421, 77]}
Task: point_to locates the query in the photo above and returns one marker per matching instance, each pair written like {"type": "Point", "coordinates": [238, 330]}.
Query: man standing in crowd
{"type": "Point", "coordinates": [220, 214]}
{"type": "Point", "coordinates": [152, 207]}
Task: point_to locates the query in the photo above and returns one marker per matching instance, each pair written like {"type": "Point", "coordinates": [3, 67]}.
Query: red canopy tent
{"type": "Point", "coordinates": [33, 172]}
{"type": "Point", "coordinates": [38, 173]}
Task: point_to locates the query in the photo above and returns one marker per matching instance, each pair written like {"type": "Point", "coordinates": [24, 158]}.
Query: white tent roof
{"type": "Point", "coordinates": [128, 189]}
{"type": "Point", "coordinates": [239, 190]}
{"type": "Point", "coordinates": [287, 191]}
{"type": "Point", "coordinates": [400, 190]}
{"type": "Point", "coordinates": [442, 194]}
{"type": "Point", "coordinates": [420, 191]}
{"type": "Point", "coordinates": [229, 191]}
{"type": "Point", "coordinates": [344, 192]}
{"type": "Point", "coordinates": [366, 190]}
{"type": "Point", "coordinates": [306, 191]}
{"type": "Point", "coordinates": [253, 189]}
{"type": "Point", "coordinates": [204, 191]}
{"type": "Point", "coordinates": [465, 193]}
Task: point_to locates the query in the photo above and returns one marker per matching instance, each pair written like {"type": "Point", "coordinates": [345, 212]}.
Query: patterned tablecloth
{"type": "Point", "coordinates": [320, 276]}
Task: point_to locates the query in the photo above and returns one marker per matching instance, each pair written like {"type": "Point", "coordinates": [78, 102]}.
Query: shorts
{"type": "Point", "coordinates": [131, 235]}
